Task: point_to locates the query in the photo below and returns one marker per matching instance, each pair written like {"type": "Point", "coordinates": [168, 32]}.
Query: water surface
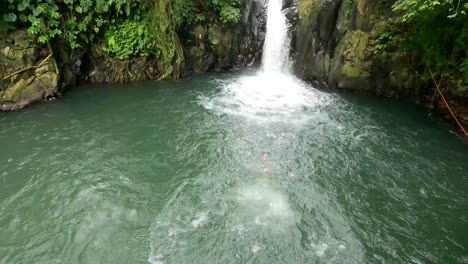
{"type": "Point", "coordinates": [173, 172]}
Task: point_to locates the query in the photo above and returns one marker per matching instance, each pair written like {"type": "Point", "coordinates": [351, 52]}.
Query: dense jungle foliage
{"type": "Point", "coordinates": [125, 28]}
{"type": "Point", "coordinates": [434, 35]}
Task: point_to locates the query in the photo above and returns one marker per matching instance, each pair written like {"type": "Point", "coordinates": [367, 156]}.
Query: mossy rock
{"type": "Point", "coordinates": [215, 35]}
{"type": "Point", "coordinates": [306, 8]}
{"type": "Point", "coordinates": [48, 83]}
{"type": "Point", "coordinates": [48, 67]}
{"type": "Point", "coordinates": [351, 65]}
{"type": "Point", "coordinates": [200, 33]}
{"type": "Point", "coordinates": [14, 92]}
{"type": "Point", "coordinates": [355, 51]}
{"type": "Point", "coordinates": [7, 52]}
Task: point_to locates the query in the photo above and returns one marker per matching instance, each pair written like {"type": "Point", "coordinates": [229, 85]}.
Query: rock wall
{"type": "Point", "coordinates": [334, 43]}
{"type": "Point", "coordinates": [224, 46]}
{"type": "Point", "coordinates": [27, 73]}
{"type": "Point", "coordinates": [98, 67]}
{"type": "Point", "coordinates": [218, 47]}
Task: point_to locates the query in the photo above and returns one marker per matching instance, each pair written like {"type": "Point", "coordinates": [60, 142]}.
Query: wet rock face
{"type": "Point", "coordinates": [315, 36]}
{"type": "Point", "coordinates": [98, 67]}
{"type": "Point", "coordinates": [227, 46]}
{"type": "Point", "coordinates": [28, 74]}
{"type": "Point", "coordinates": [334, 44]}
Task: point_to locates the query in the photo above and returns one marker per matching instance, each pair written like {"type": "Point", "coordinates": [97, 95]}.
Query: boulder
{"type": "Point", "coordinates": [227, 46]}
{"type": "Point", "coordinates": [28, 81]}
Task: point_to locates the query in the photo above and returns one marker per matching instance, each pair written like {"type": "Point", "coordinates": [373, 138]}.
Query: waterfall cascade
{"type": "Point", "coordinates": [276, 47]}
{"type": "Point", "coordinates": [271, 94]}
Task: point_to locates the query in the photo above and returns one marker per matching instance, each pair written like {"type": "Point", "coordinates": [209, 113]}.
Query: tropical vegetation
{"type": "Point", "coordinates": [125, 28]}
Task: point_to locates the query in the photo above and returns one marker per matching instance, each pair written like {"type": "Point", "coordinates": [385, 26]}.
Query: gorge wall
{"type": "Point", "coordinates": [335, 44]}
{"type": "Point", "coordinates": [31, 73]}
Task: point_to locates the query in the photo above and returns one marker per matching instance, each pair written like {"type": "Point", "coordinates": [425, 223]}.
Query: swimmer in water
{"type": "Point", "coordinates": [265, 163]}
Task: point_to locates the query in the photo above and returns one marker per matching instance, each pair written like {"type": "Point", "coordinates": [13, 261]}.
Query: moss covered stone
{"type": "Point", "coordinates": [215, 35]}
{"type": "Point", "coordinates": [308, 7]}
{"type": "Point", "coordinates": [355, 51]}
{"type": "Point", "coordinates": [26, 84]}
{"type": "Point", "coordinates": [14, 92]}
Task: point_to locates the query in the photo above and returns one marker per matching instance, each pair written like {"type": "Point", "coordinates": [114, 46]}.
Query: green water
{"type": "Point", "coordinates": [173, 172]}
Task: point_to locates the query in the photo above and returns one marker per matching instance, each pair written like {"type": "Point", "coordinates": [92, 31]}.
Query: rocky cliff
{"type": "Point", "coordinates": [206, 48]}
{"type": "Point", "coordinates": [226, 46]}
{"type": "Point", "coordinates": [30, 73]}
{"type": "Point", "coordinates": [335, 44]}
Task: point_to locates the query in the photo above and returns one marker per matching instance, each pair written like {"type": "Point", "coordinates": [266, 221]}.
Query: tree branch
{"type": "Point", "coordinates": [29, 68]}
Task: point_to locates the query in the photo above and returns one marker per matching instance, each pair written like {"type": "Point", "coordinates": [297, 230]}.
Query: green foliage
{"type": "Point", "coordinates": [434, 33]}
{"type": "Point", "coordinates": [130, 39]}
{"type": "Point", "coordinates": [348, 9]}
{"type": "Point", "coordinates": [76, 20]}
{"type": "Point", "coordinates": [383, 42]}
{"type": "Point", "coordinates": [228, 10]}
{"type": "Point", "coordinates": [413, 9]}
{"type": "Point", "coordinates": [185, 14]}
{"type": "Point", "coordinates": [162, 26]}
{"type": "Point", "coordinates": [126, 28]}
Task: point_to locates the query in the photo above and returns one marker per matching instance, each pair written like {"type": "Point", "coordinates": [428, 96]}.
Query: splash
{"type": "Point", "coordinates": [272, 94]}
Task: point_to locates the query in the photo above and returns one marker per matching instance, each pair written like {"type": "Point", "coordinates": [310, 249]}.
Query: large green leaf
{"type": "Point", "coordinates": [23, 5]}
{"type": "Point", "coordinates": [10, 17]}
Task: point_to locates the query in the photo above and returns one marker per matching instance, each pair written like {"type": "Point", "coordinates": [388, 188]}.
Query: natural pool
{"type": "Point", "coordinates": [175, 172]}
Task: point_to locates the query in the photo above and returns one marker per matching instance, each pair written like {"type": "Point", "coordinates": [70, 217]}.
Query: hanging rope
{"type": "Point", "coordinates": [446, 103]}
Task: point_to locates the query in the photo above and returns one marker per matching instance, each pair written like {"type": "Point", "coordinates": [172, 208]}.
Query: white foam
{"type": "Point", "coordinates": [255, 248]}
{"type": "Point", "coordinates": [199, 220]}
{"type": "Point", "coordinates": [240, 228]}
{"type": "Point", "coordinates": [271, 97]}
{"type": "Point", "coordinates": [320, 249]}
{"type": "Point", "coordinates": [156, 259]}
{"type": "Point", "coordinates": [268, 206]}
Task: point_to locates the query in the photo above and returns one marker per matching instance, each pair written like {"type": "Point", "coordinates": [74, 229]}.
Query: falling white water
{"type": "Point", "coordinates": [273, 94]}
{"type": "Point", "coordinates": [276, 47]}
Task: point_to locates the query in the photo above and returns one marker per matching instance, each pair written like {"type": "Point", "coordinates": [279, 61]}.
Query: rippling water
{"type": "Point", "coordinates": [173, 172]}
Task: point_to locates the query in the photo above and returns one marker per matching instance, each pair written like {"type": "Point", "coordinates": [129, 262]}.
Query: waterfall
{"type": "Point", "coordinates": [272, 94]}
{"type": "Point", "coordinates": [276, 47]}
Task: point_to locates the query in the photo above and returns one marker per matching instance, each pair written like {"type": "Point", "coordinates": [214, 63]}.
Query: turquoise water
{"type": "Point", "coordinates": [174, 172]}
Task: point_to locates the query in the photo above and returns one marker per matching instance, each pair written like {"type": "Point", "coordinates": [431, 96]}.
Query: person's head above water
{"type": "Point", "coordinates": [265, 155]}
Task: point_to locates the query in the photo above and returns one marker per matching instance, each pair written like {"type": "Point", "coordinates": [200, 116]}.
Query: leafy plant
{"type": "Point", "coordinates": [76, 20]}
{"type": "Point", "coordinates": [184, 13]}
{"type": "Point", "coordinates": [434, 33]}
{"type": "Point", "coordinates": [348, 9]}
{"type": "Point", "coordinates": [411, 9]}
{"type": "Point", "coordinates": [130, 39]}
{"type": "Point", "coordinates": [383, 41]}
{"type": "Point", "coordinates": [228, 10]}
